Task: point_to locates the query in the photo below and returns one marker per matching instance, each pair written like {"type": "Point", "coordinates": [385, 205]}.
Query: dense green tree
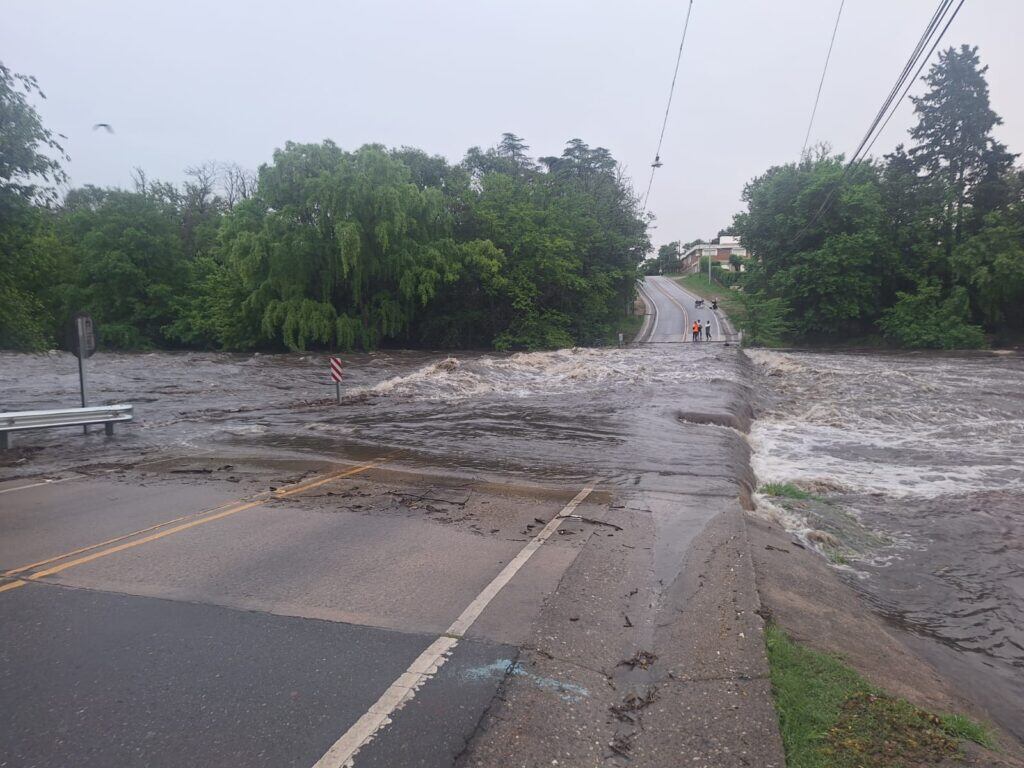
{"type": "Point", "coordinates": [126, 265]}
{"type": "Point", "coordinates": [932, 318]}
{"type": "Point", "coordinates": [666, 261]}
{"type": "Point", "coordinates": [955, 146]}
{"type": "Point", "coordinates": [991, 265]}
{"type": "Point", "coordinates": [763, 320]}
{"type": "Point", "coordinates": [30, 171]}
{"type": "Point", "coordinates": [30, 155]}
{"type": "Point", "coordinates": [921, 246]}
{"type": "Point", "coordinates": [819, 237]}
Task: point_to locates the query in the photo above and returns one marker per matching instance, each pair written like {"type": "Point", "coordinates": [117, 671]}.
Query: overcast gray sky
{"type": "Point", "coordinates": [184, 82]}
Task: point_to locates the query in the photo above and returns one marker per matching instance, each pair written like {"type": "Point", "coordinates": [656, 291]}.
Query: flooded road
{"type": "Point", "coordinates": [915, 460]}
{"type": "Point", "coordinates": [537, 523]}
{"type": "Point", "coordinates": [620, 415]}
{"type": "Point", "coordinates": [918, 461]}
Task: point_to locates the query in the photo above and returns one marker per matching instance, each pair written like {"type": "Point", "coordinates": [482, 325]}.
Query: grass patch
{"type": "Point", "coordinates": [830, 717]}
{"type": "Point", "coordinates": [700, 285]}
{"type": "Point", "coordinates": [966, 729]}
{"type": "Point", "coordinates": [837, 557]}
{"type": "Point", "coordinates": [628, 325]}
{"type": "Point", "coordinates": [785, 490]}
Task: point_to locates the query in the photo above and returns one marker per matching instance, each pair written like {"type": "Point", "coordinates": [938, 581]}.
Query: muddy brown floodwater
{"type": "Point", "coordinates": [919, 458]}
{"type": "Point", "coordinates": [620, 415]}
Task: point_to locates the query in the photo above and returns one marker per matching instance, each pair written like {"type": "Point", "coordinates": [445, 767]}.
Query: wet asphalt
{"type": "Point", "coordinates": [178, 612]}
{"type": "Point", "coordinates": [99, 679]}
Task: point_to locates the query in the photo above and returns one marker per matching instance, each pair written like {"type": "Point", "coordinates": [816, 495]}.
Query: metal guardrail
{"type": "Point", "coordinates": [15, 421]}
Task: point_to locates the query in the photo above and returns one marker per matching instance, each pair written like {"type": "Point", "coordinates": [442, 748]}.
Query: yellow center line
{"type": "Point", "coordinates": [72, 553]}
{"type": "Point", "coordinates": [231, 510]}
{"type": "Point", "coordinates": [11, 585]}
{"type": "Point", "coordinates": [686, 315]}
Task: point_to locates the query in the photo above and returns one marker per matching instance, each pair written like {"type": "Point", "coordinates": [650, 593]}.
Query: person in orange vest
{"type": "Point", "coordinates": [696, 330]}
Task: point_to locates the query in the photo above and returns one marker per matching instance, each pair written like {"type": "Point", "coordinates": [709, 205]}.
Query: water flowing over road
{"type": "Point", "coordinates": [381, 558]}
{"type": "Point", "coordinates": [247, 514]}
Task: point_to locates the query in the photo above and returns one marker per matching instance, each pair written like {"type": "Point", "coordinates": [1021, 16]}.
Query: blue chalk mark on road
{"type": "Point", "coordinates": [569, 692]}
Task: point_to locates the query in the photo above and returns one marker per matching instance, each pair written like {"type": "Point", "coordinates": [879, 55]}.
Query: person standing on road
{"type": "Point", "coordinates": [707, 330]}
{"type": "Point", "coordinates": [694, 329]}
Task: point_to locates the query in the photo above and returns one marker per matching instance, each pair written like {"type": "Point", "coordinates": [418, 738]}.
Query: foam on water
{"type": "Point", "coordinates": [919, 458]}
{"type": "Point", "coordinates": [529, 374]}
{"type": "Point", "coordinates": [903, 426]}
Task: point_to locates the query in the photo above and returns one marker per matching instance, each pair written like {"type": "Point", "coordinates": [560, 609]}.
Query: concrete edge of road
{"type": "Point", "coordinates": [720, 699]}
{"type": "Point", "coordinates": [650, 316]}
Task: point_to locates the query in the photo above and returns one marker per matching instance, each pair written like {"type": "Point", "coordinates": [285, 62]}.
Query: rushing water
{"type": "Point", "coordinates": [919, 455]}
{"type": "Point", "coordinates": [920, 459]}
{"type": "Point", "coordinates": [613, 414]}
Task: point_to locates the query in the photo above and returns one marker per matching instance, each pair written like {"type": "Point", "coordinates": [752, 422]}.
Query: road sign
{"type": "Point", "coordinates": [82, 335]}
{"type": "Point", "coordinates": [83, 344]}
{"type": "Point", "coordinates": [336, 375]}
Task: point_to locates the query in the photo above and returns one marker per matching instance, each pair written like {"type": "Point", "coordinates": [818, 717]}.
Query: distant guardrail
{"type": "Point", "coordinates": [107, 415]}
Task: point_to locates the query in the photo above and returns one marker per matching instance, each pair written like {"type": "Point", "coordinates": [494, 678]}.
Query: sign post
{"type": "Point", "coordinates": [336, 375]}
{"type": "Point", "coordinates": [83, 344]}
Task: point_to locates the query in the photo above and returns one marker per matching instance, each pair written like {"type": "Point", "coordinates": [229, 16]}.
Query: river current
{"type": "Point", "coordinates": [918, 458]}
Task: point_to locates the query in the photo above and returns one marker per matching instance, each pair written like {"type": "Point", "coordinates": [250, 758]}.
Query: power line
{"type": "Point", "coordinates": [913, 80]}
{"type": "Point", "coordinates": [922, 43]}
{"type": "Point", "coordinates": [891, 103]}
{"type": "Point", "coordinates": [664, 123]}
{"type": "Point", "coordinates": [821, 83]}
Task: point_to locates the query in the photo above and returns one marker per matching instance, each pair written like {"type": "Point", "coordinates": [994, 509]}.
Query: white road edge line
{"type": "Point", "coordinates": [652, 331]}
{"type": "Point", "coordinates": [35, 485]}
{"type": "Point", "coordinates": [343, 752]}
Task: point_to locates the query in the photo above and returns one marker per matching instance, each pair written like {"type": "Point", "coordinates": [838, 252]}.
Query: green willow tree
{"type": "Point", "coordinates": [325, 248]}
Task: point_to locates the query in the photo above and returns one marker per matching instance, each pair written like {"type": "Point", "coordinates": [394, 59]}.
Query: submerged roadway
{"type": "Point", "coordinates": [205, 610]}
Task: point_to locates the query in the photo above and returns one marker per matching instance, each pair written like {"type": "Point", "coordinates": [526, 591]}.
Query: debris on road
{"type": "Point", "coordinates": [642, 659]}
{"type": "Point", "coordinates": [592, 521]}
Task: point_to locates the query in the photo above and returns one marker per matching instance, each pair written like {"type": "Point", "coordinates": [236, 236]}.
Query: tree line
{"type": "Point", "coordinates": [924, 248]}
{"type": "Point", "coordinates": [321, 248]}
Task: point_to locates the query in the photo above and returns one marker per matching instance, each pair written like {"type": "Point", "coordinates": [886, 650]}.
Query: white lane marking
{"type": "Point", "coordinates": [654, 311]}
{"type": "Point", "coordinates": [35, 485]}
{"type": "Point", "coordinates": [693, 298]}
{"type": "Point", "coordinates": [343, 752]}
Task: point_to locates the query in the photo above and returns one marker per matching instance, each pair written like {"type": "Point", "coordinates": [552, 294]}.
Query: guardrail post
{"type": "Point", "coordinates": [4, 443]}
{"type": "Point", "coordinates": [108, 428]}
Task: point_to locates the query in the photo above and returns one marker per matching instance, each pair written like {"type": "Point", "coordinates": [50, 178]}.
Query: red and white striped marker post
{"type": "Point", "coordinates": [336, 375]}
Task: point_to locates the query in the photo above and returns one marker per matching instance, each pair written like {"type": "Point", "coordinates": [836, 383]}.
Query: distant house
{"type": "Point", "coordinates": [721, 249]}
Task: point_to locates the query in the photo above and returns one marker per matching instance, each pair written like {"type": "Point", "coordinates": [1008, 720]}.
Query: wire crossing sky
{"type": "Point", "coordinates": [919, 57]}
{"type": "Point", "coordinates": [824, 71]}
{"type": "Point", "coordinates": [668, 105]}
{"type": "Point", "coordinates": [187, 82]}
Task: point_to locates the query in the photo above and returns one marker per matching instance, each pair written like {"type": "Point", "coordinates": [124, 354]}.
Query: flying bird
{"type": "Point", "coordinates": [106, 126]}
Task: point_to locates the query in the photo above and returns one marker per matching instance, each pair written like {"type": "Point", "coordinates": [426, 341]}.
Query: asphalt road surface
{"type": "Point", "coordinates": [673, 311]}
{"type": "Point", "coordinates": [400, 609]}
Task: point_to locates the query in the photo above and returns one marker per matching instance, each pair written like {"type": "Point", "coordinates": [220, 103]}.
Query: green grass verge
{"type": "Point", "coordinates": [629, 325]}
{"type": "Point", "coordinates": [785, 490]}
{"type": "Point", "coordinates": [699, 285]}
{"type": "Point", "coordinates": [830, 717]}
